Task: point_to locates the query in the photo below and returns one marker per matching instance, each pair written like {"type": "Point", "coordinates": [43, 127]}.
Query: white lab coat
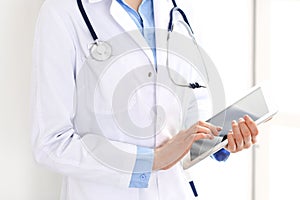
{"type": "Point", "coordinates": [65, 131]}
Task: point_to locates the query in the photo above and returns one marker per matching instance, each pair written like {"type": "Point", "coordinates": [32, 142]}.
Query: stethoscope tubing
{"type": "Point", "coordinates": [170, 25]}
{"type": "Point", "coordinates": [87, 21]}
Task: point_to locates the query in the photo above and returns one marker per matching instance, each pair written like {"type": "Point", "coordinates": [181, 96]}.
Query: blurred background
{"type": "Point", "coordinates": [250, 41]}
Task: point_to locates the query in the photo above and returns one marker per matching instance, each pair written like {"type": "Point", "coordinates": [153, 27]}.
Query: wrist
{"type": "Point", "coordinates": [156, 162]}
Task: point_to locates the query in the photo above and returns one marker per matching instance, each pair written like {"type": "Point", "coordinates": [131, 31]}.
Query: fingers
{"type": "Point", "coordinates": [238, 137]}
{"type": "Point", "coordinates": [214, 130]}
{"type": "Point", "coordinates": [243, 134]}
{"type": "Point", "coordinates": [246, 133]}
{"type": "Point", "coordinates": [235, 138]}
{"type": "Point", "coordinates": [200, 132]}
{"type": "Point", "coordinates": [253, 128]}
{"type": "Point", "coordinates": [199, 136]}
{"type": "Point", "coordinates": [231, 146]}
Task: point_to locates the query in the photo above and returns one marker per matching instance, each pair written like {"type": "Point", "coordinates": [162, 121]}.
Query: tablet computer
{"type": "Point", "coordinates": [256, 103]}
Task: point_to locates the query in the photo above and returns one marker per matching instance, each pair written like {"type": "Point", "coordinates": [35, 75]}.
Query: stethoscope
{"type": "Point", "coordinates": [101, 50]}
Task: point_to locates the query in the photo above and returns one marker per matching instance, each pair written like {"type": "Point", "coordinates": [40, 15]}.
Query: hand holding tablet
{"type": "Point", "coordinates": [256, 104]}
{"type": "Point", "coordinates": [243, 134]}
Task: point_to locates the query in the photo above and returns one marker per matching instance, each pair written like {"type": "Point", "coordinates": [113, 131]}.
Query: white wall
{"type": "Point", "coordinates": [224, 29]}
{"type": "Point", "coordinates": [20, 178]}
{"type": "Point", "coordinates": [278, 164]}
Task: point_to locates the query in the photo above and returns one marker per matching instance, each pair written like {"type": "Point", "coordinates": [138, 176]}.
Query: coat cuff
{"type": "Point", "coordinates": [143, 168]}
{"type": "Point", "coordinates": [221, 155]}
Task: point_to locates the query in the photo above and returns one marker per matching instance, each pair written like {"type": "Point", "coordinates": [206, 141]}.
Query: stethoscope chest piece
{"type": "Point", "coordinates": [101, 51]}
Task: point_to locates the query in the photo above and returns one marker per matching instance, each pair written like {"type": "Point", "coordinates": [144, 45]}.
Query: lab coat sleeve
{"type": "Point", "coordinates": [56, 144]}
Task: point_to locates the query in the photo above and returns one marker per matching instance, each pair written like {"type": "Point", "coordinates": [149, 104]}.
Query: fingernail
{"type": "Point", "coordinates": [233, 122]}
{"type": "Point", "coordinates": [241, 120]}
{"type": "Point", "coordinates": [219, 128]}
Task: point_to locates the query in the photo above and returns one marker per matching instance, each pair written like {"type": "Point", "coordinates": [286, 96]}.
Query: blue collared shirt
{"type": "Point", "coordinates": [144, 20]}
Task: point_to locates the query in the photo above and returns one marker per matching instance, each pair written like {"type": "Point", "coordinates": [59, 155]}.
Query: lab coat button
{"type": "Point", "coordinates": [149, 74]}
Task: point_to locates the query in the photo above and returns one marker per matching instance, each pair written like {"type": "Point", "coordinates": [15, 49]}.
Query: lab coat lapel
{"type": "Point", "coordinates": [124, 20]}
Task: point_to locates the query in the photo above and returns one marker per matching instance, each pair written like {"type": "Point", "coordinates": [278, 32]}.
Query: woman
{"type": "Point", "coordinates": [80, 127]}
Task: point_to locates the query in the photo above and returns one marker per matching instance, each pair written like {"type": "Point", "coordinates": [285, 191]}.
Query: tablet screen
{"type": "Point", "coordinates": [253, 104]}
